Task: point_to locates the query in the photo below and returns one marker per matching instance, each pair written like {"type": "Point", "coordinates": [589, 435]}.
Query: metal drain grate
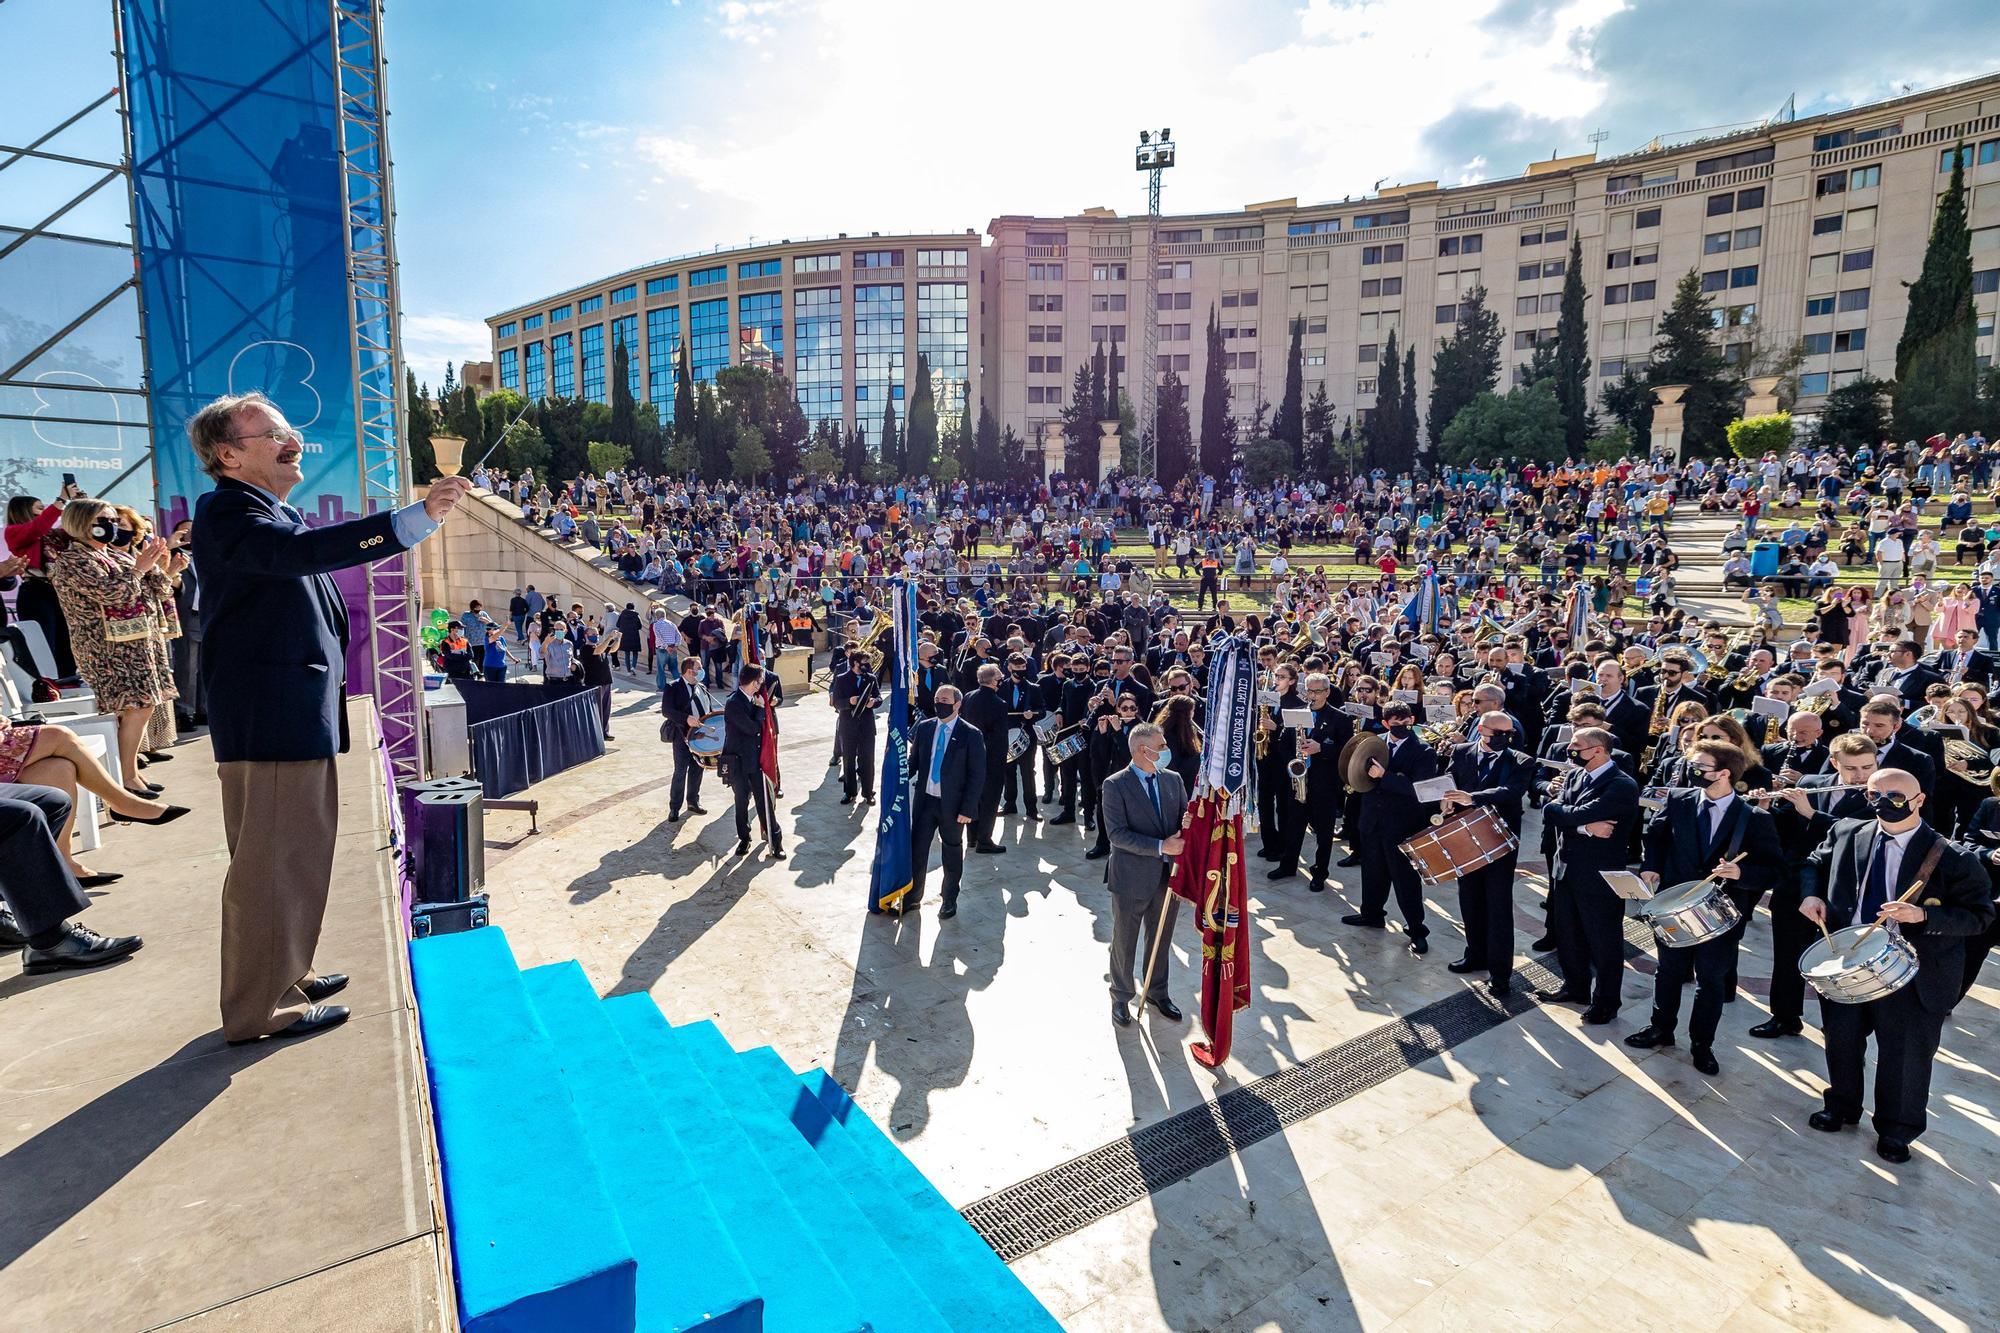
{"type": "Point", "coordinates": [1022, 1218]}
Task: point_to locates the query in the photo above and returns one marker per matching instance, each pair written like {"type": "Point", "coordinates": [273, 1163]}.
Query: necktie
{"type": "Point", "coordinates": [1153, 791]}
{"type": "Point", "coordinates": [937, 755]}
{"type": "Point", "coordinates": [291, 513]}
{"type": "Point", "coordinates": [1876, 891]}
{"type": "Point", "coordinates": [1710, 817]}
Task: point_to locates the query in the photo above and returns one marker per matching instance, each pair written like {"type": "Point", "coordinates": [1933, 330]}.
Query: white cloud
{"type": "Point", "coordinates": [431, 340]}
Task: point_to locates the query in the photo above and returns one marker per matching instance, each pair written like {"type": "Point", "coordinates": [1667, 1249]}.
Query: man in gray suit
{"type": "Point", "coordinates": [1142, 806]}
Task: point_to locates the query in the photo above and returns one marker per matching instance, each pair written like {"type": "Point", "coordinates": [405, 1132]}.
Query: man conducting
{"type": "Point", "coordinates": [274, 663]}
{"type": "Point", "coordinates": [1142, 806]}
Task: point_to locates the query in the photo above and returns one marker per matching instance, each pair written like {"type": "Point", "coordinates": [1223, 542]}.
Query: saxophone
{"type": "Point", "coordinates": [1261, 741]}
{"type": "Point", "coordinates": [1656, 725]}
{"type": "Point", "coordinates": [1296, 770]}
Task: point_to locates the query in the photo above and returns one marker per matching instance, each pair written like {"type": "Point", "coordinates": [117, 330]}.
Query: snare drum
{"type": "Point", "coordinates": [705, 741]}
{"type": "Point", "coordinates": [1883, 964]}
{"type": "Point", "coordinates": [1019, 743]}
{"type": "Point", "coordinates": [1068, 748]}
{"type": "Point", "coordinates": [1046, 727]}
{"type": "Point", "coordinates": [1690, 914]}
{"type": "Point", "coordinates": [1460, 845]}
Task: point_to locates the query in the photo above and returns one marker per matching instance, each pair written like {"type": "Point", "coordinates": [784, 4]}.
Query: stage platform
{"type": "Point", "coordinates": [152, 1175]}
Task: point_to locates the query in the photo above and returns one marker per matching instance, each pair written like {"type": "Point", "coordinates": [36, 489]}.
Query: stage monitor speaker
{"type": "Point", "coordinates": [448, 845]}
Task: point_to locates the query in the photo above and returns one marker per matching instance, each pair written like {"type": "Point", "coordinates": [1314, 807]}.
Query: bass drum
{"type": "Point", "coordinates": [1460, 845]}
{"type": "Point", "coordinates": [705, 742]}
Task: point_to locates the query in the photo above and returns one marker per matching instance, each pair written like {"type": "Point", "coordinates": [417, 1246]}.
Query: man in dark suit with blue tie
{"type": "Point", "coordinates": [1701, 835]}
{"type": "Point", "coordinates": [1987, 593]}
{"type": "Point", "coordinates": [1143, 805]}
{"type": "Point", "coordinates": [1490, 772]}
{"type": "Point", "coordinates": [1856, 877]}
{"type": "Point", "coordinates": [1595, 809]}
{"type": "Point", "coordinates": [949, 761]}
{"type": "Point", "coordinates": [274, 666]}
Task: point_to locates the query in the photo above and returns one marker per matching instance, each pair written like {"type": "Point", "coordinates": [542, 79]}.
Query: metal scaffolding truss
{"type": "Point", "coordinates": [369, 207]}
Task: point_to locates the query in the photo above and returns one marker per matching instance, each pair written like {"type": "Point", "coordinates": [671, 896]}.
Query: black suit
{"type": "Point", "coordinates": [1498, 780]}
{"type": "Point", "coordinates": [1910, 682]}
{"type": "Point", "coordinates": [985, 709]}
{"type": "Point", "coordinates": [1982, 834]}
{"type": "Point", "coordinates": [1391, 812]}
{"type": "Point", "coordinates": [1023, 699]}
{"type": "Point", "coordinates": [1979, 665]}
{"type": "Point", "coordinates": [1587, 918]}
{"type": "Point", "coordinates": [1808, 760]}
{"type": "Point", "coordinates": [1958, 901]}
{"type": "Point", "coordinates": [1901, 754]}
{"type": "Point", "coordinates": [743, 742]}
{"type": "Point", "coordinates": [683, 706]}
{"type": "Point", "coordinates": [1680, 846]}
{"type": "Point", "coordinates": [855, 694]}
{"type": "Point", "coordinates": [1629, 721]}
{"type": "Point", "coordinates": [961, 781]}
{"type": "Point", "coordinates": [1791, 933]}
{"type": "Point", "coordinates": [1325, 787]}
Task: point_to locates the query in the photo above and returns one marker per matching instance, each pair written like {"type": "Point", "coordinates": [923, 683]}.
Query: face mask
{"type": "Point", "coordinates": [1575, 756]}
{"type": "Point", "coordinates": [1495, 742]}
{"type": "Point", "coordinates": [1889, 809]}
{"type": "Point", "coordinates": [1399, 730]}
{"type": "Point", "coordinates": [1165, 758]}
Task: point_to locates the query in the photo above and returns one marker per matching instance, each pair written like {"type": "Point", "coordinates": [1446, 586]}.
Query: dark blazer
{"type": "Point", "coordinates": [274, 629]}
{"type": "Point", "coordinates": [1678, 847]}
{"type": "Point", "coordinates": [1332, 729]}
{"type": "Point", "coordinates": [1392, 809]}
{"type": "Point", "coordinates": [1578, 857]}
{"type": "Point", "coordinates": [985, 709]}
{"type": "Point", "coordinates": [1978, 664]}
{"type": "Point", "coordinates": [1957, 899]}
{"type": "Point", "coordinates": [743, 732]}
{"type": "Point", "coordinates": [1807, 759]}
{"type": "Point", "coordinates": [1498, 779]}
{"type": "Point", "coordinates": [848, 687]}
{"type": "Point", "coordinates": [1910, 759]}
{"type": "Point", "coordinates": [964, 776]}
{"type": "Point", "coordinates": [1629, 720]}
{"type": "Point", "coordinates": [678, 702]}
{"type": "Point", "coordinates": [1911, 684]}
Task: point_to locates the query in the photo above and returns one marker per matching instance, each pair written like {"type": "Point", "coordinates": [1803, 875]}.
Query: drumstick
{"type": "Point", "coordinates": [1717, 879]}
{"type": "Point", "coordinates": [1876, 925]}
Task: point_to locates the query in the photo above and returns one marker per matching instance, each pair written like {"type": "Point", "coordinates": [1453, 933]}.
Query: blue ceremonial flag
{"type": "Point", "coordinates": [892, 875]}
{"type": "Point", "coordinates": [1579, 614]}
{"type": "Point", "coordinates": [1421, 611]}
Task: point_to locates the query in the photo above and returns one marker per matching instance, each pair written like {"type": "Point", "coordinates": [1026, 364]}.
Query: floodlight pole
{"type": "Point", "coordinates": [1154, 155]}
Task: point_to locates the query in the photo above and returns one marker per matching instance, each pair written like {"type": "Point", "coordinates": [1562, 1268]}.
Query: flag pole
{"type": "Point", "coordinates": [1166, 905]}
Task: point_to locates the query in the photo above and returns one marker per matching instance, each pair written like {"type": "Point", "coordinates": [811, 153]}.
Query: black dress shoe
{"type": "Point", "coordinates": [79, 947]}
{"type": "Point", "coordinates": [847, 800]}
{"type": "Point", "coordinates": [1597, 1017]}
{"type": "Point", "coordinates": [1121, 1015]}
{"type": "Point", "coordinates": [146, 791]}
{"type": "Point", "coordinates": [325, 986]}
{"type": "Point", "coordinates": [1350, 860]}
{"type": "Point", "coordinates": [1371, 922]}
{"type": "Point", "coordinates": [11, 937]}
{"type": "Point", "coordinates": [1097, 854]}
{"type": "Point", "coordinates": [1035, 815]}
{"type": "Point", "coordinates": [777, 852]}
{"type": "Point", "coordinates": [157, 756]}
{"type": "Point", "coordinates": [1168, 1010]}
{"type": "Point", "coordinates": [1318, 884]}
{"type": "Point", "coordinates": [1829, 1122]}
{"type": "Point", "coordinates": [1006, 809]}
{"type": "Point", "coordinates": [166, 816]}
{"type": "Point", "coordinates": [1420, 946]}
{"type": "Point", "coordinates": [743, 847]}
{"type": "Point", "coordinates": [990, 848]}
{"type": "Point", "coordinates": [1064, 818]}
{"type": "Point", "coordinates": [1283, 872]}
{"type": "Point", "coordinates": [1892, 1150]}
{"type": "Point", "coordinates": [696, 809]}
{"type": "Point", "coordinates": [1546, 944]}
{"type": "Point", "coordinates": [673, 816]}
{"type": "Point", "coordinates": [1266, 854]}
{"type": "Point", "coordinates": [1778, 1027]}
{"type": "Point", "coordinates": [1464, 965]}
{"type": "Point", "coordinates": [1704, 1060]}
{"type": "Point", "coordinates": [316, 1019]}
{"type": "Point", "coordinates": [1499, 986]}
{"type": "Point", "coordinates": [948, 911]}
{"type": "Point", "coordinates": [98, 881]}
{"type": "Point", "coordinates": [1647, 1038]}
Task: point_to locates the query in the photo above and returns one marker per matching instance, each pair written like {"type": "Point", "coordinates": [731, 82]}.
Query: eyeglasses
{"type": "Point", "coordinates": [281, 435]}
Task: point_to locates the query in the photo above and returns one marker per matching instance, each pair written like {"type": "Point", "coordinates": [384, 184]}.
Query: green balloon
{"type": "Point", "coordinates": [431, 636]}
{"type": "Point", "coordinates": [439, 616]}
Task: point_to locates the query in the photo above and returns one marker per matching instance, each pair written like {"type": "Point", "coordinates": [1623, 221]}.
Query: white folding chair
{"type": "Point", "coordinates": [41, 658]}
{"type": "Point", "coordinates": [79, 714]}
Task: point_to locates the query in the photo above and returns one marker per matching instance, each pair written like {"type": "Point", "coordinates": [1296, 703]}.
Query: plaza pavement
{"type": "Point", "coordinates": [1539, 1174]}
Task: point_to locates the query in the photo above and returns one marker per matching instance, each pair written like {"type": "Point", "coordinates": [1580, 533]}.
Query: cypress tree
{"type": "Point", "coordinates": [1572, 359]}
{"type": "Point", "coordinates": [1466, 365]}
{"type": "Point", "coordinates": [1318, 425]}
{"type": "Point", "coordinates": [624, 412]}
{"type": "Point", "coordinates": [1406, 429]}
{"type": "Point", "coordinates": [1686, 353]}
{"type": "Point", "coordinates": [922, 435]}
{"type": "Point", "coordinates": [1079, 421]}
{"type": "Point", "coordinates": [1218, 434]}
{"type": "Point", "coordinates": [419, 423]}
{"type": "Point", "coordinates": [1936, 367]}
{"type": "Point", "coordinates": [1386, 446]}
{"type": "Point", "coordinates": [1176, 435]}
{"type": "Point", "coordinates": [854, 455]}
{"type": "Point", "coordinates": [890, 451]}
{"type": "Point", "coordinates": [1113, 404]}
{"type": "Point", "coordinates": [713, 435]}
{"type": "Point", "coordinates": [1290, 423]}
{"type": "Point", "coordinates": [684, 405]}
{"type": "Point", "coordinates": [986, 462]}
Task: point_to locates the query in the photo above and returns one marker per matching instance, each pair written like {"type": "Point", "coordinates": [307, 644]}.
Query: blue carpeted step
{"type": "Point", "coordinates": [768, 1211]}
{"type": "Point", "coordinates": [690, 1274]}
{"type": "Point", "coordinates": [535, 1241]}
{"type": "Point", "coordinates": [870, 1260]}
{"type": "Point", "coordinates": [994, 1297]}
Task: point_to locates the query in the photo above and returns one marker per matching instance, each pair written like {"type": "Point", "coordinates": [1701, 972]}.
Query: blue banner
{"type": "Point", "coordinates": [238, 201]}
{"type": "Point", "coordinates": [893, 874]}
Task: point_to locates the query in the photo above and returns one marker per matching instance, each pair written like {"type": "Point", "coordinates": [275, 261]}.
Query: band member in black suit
{"type": "Point", "coordinates": [1964, 660]}
{"type": "Point", "coordinates": [743, 742]}
{"type": "Point", "coordinates": [856, 692]}
{"type": "Point", "coordinates": [1078, 694]}
{"type": "Point", "coordinates": [1022, 694]}
{"type": "Point", "coordinates": [1700, 834]}
{"type": "Point", "coordinates": [1805, 814]}
{"type": "Point", "coordinates": [1594, 808]}
{"type": "Point", "coordinates": [1982, 835]}
{"type": "Point", "coordinates": [1489, 772]}
{"type": "Point", "coordinates": [1319, 748]}
{"type": "Point", "coordinates": [949, 762]}
{"type": "Point", "coordinates": [930, 675]}
{"type": "Point", "coordinates": [1856, 876]}
{"type": "Point", "coordinates": [1390, 813]}
{"type": "Point", "coordinates": [839, 668]}
{"type": "Point", "coordinates": [984, 709]}
{"type": "Point", "coordinates": [1110, 750]}
{"type": "Point", "coordinates": [1676, 682]}
{"type": "Point", "coordinates": [1628, 719]}
{"type": "Point", "coordinates": [1051, 686]}
{"type": "Point", "coordinates": [1275, 806]}
{"type": "Point", "coordinates": [684, 704]}
{"type": "Point", "coordinates": [1803, 751]}
{"type": "Point", "coordinates": [1882, 723]}
{"type": "Point", "coordinates": [1905, 675]}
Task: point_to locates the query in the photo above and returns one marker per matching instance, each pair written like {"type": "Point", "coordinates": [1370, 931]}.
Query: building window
{"type": "Point", "coordinates": [589, 304]}
{"type": "Point", "coordinates": [706, 277]}
{"type": "Point", "coordinates": [1715, 280]}
{"type": "Point", "coordinates": [1812, 384]}
{"type": "Point", "coordinates": [1526, 273]}
{"type": "Point", "coordinates": [1048, 238]}
{"type": "Point", "coordinates": [1367, 353]}
{"type": "Point", "coordinates": [1747, 237]}
{"type": "Point", "coordinates": [1842, 138]}
{"type": "Point", "coordinates": [708, 337]}
{"type": "Point", "coordinates": [629, 292]}
{"type": "Point", "coordinates": [760, 317]}
{"type": "Point", "coordinates": [1715, 243]}
{"type": "Point", "coordinates": [1643, 291]}
{"type": "Point", "coordinates": [663, 339]}
{"type": "Point", "coordinates": [1719, 204]}
{"type": "Point", "coordinates": [535, 374]}
{"type": "Point", "coordinates": [1192, 235]}
{"type": "Point", "coordinates": [940, 259]}
{"type": "Point", "coordinates": [559, 314]}
{"type": "Point", "coordinates": [1180, 270]}
{"type": "Point", "coordinates": [1831, 183]}
{"type": "Point", "coordinates": [1817, 344]}
{"type": "Point", "coordinates": [1315, 324]}
{"type": "Point", "coordinates": [1107, 273]}
{"type": "Point", "coordinates": [1446, 314]}
{"type": "Point", "coordinates": [1828, 225]}
{"type": "Point", "coordinates": [1743, 277]}
{"type": "Point", "coordinates": [1985, 280]}
{"type": "Point", "coordinates": [505, 330]}
{"type": "Point", "coordinates": [1368, 221]}
{"type": "Point", "coordinates": [1856, 299]}
{"type": "Point", "coordinates": [1045, 273]}
{"type": "Point", "coordinates": [1176, 300]}
{"type": "Point", "coordinates": [1315, 358]}
{"type": "Point", "coordinates": [625, 333]}
{"type": "Point", "coordinates": [510, 368]}
{"type": "Point", "coordinates": [1850, 340]}
{"type": "Point", "coordinates": [1554, 234]}
{"type": "Point", "coordinates": [878, 352]}
{"type": "Point", "coordinates": [1750, 198]}
{"type": "Point", "coordinates": [1462, 245]}
{"type": "Point", "coordinates": [1983, 238]}
{"type": "Point", "coordinates": [1644, 218]}
{"type": "Point", "coordinates": [1864, 178]}
{"type": "Point", "coordinates": [942, 321]}
{"type": "Point", "coordinates": [1749, 157]}
{"type": "Point", "coordinates": [1818, 305]}
{"type": "Point", "coordinates": [759, 268]}
{"type": "Point", "coordinates": [1104, 302]}
{"type": "Point", "coordinates": [562, 365]}
{"type": "Point", "coordinates": [1253, 232]}
{"type": "Point", "coordinates": [1861, 219]}
{"type": "Point", "coordinates": [1043, 302]}
{"type": "Point", "coordinates": [1382, 254]}
{"type": "Point", "coordinates": [1317, 227]}
{"type": "Point", "coordinates": [1364, 385]}
{"type": "Point", "coordinates": [1526, 305]}
{"type": "Point", "coordinates": [816, 264]}
{"type": "Point", "coordinates": [878, 259]}
{"type": "Point", "coordinates": [1855, 260]}
{"type": "Point", "coordinates": [1618, 259]}
{"type": "Point", "coordinates": [1617, 295]}
{"type": "Point", "coordinates": [1611, 369]}
{"type": "Point", "coordinates": [1737, 316]}
{"type": "Point", "coordinates": [661, 286]}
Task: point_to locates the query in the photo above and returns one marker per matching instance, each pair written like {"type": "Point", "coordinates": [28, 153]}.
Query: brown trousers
{"type": "Point", "coordinates": [279, 819]}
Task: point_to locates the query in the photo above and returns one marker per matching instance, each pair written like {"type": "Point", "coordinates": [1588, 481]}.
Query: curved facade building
{"type": "Point", "coordinates": [1803, 231]}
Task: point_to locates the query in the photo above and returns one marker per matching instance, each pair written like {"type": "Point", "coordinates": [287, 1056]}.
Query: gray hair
{"type": "Point", "coordinates": [1142, 734]}
{"type": "Point", "coordinates": [208, 430]}
{"type": "Point", "coordinates": [1319, 678]}
{"type": "Point", "coordinates": [989, 672]}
